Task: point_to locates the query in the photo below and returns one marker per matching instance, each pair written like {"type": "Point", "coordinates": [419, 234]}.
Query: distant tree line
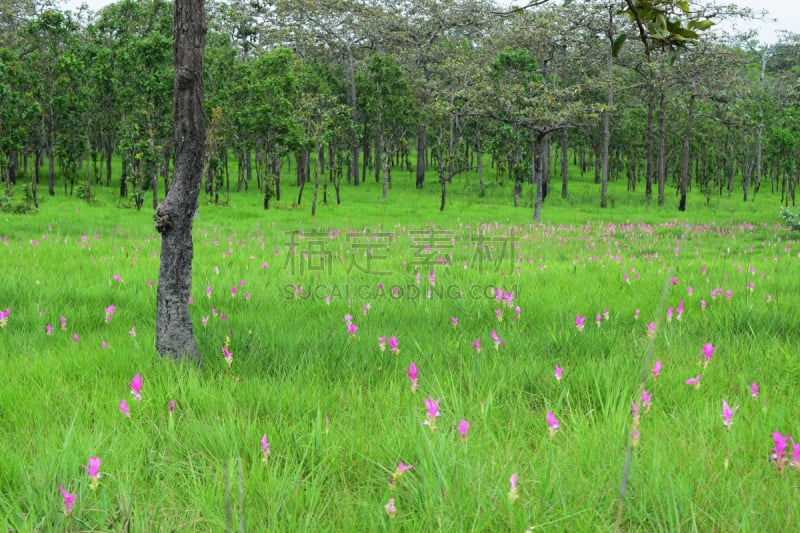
{"type": "Point", "coordinates": [349, 91]}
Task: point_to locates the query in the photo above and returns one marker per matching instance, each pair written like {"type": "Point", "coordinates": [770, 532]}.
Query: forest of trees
{"type": "Point", "coordinates": [349, 90]}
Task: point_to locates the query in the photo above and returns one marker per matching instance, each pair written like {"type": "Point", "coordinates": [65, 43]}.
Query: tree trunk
{"type": "Point", "coordinates": [648, 178]}
{"type": "Point", "coordinates": [607, 119]}
{"type": "Point", "coordinates": [684, 181]}
{"type": "Point", "coordinates": [662, 137]}
{"type": "Point", "coordinates": [537, 173]}
{"type": "Point", "coordinates": [174, 217]}
{"type": "Point", "coordinates": [421, 147]}
{"type": "Point", "coordinates": [564, 161]}
{"type": "Point", "coordinates": [318, 167]}
{"type": "Point", "coordinates": [51, 171]}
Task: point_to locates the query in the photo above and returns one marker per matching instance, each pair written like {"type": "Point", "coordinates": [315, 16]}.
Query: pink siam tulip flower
{"type": "Point", "coordinates": [580, 322]}
{"type": "Point", "coordinates": [598, 319]}
{"type": "Point", "coordinates": [433, 412]}
{"type": "Point", "coordinates": [171, 406]}
{"type": "Point", "coordinates": [204, 320]}
{"type": "Point", "coordinates": [104, 344]}
{"type": "Point", "coordinates": [75, 337]}
{"type": "Point", "coordinates": [778, 455]}
{"type": "Point", "coordinates": [695, 381]}
{"type": "Point", "coordinates": [123, 408]}
{"type": "Point", "coordinates": [708, 353]}
{"type": "Point", "coordinates": [728, 295]}
{"type": "Point", "coordinates": [606, 314]}
{"type": "Point", "coordinates": [499, 314]}
{"type": "Point", "coordinates": [559, 373]}
{"type": "Point", "coordinates": [651, 330]}
{"type": "Point", "coordinates": [669, 314]}
{"type": "Point", "coordinates": [679, 310]}
{"type": "Point", "coordinates": [552, 423]}
{"type": "Point", "coordinates": [48, 329]}
{"type": "Point", "coordinates": [794, 456]}
{"type": "Point", "coordinates": [110, 312]}
{"type": "Point", "coordinates": [69, 500]}
{"type": "Point", "coordinates": [4, 317]}
{"type": "Point", "coordinates": [234, 290]}
{"type": "Point", "coordinates": [264, 449]}
{"type": "Point", "coordinates": [454, 321]}
{"type": "Point", "coordinates": [702, 305]}
{"type": "Point", "coordinates": [689, 291]}
{"type": "Point", "coordinates": [364, 308]}
{"type": "Point", "coordinates": [513, 492]}
{"type": "Point", "coordinates": [727, 415]}
{"type": "Point", "coordinates": [647, 398]}
{"type": "Point", "coordinates": [626, 278]}
{"type": "Point", "coordinates": [413, 374]}
{"type": "Point", "coordinates": [64, 323]}
{"type": "Point", "coordinates": [382, 343]}
{"type": "Point", "coordinates": [132, 332]}
{"type": "Point", "coordinates": [636, 314]}
{"type": "Point", "coordinates": [208, 291]}
{"type": "Point", "coordinates": [136, 387]}
{"type": "Point", "coordinates": [391, 510]}
{"type": "Point", "coordinates": [518, 311]}
{"type": "Point", "coordinates": [118, 278]}
{"type": "Point", "coordinates": [754, 389]}
{"type": "Point", "coordinates": [477, 345]}
{"type": "Point", "coordinates": [351, 330]}
{"type": "Point", "coordinates": [497, 340]}
{"type": "Point", "coordinates": [348, 319]}
{"type": "Point", "coordinates": [228, 355]}
{"type": "Point", "coordinates": [94, 472]}
{"type": "Point", "coordinates": [463, 427]}
{"type": "Point", "coordinates": [399, 471]}
{"type": "Point", "coordinates": [674, 281]}
{"type": "Point", "coordinates": [394, 347]}
{"type": "Point", "coordinates": [656, 369]}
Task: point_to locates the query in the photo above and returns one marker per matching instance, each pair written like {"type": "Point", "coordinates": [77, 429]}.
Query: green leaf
{"type": "Point", "coordinates": [617, 46]}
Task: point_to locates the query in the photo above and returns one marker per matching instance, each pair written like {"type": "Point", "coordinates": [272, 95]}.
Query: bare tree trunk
{"type": "Point", "coordinates": [564, 161]}
{"type": "Point", "coordinates": [317, 170]}
{"type": "Point", "coordinates": [537, 173]}
{"type": "Point", "coordinates": [684, 180]}
{"type": "Point", "coordinates": [648, 178]}
{"type": "Point", "coordinates": [174, 217]}
{"type": "Point", "coordinates": [421, 148]}
{"type": "Point", "coordinates": [662, 137]}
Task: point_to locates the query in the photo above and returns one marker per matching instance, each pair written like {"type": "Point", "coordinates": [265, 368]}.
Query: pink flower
{"type": "Point", "coordinates": [94, 471]}
{"type": "Point", "coordinates": [234, 290]}
{"type": "Point", "coordinates": [580, 321]}
{"type": "Point", "coordinates": [499, 314]}
{"type": "Point", "coordinates": [433, 411]}
{"type": "Point", "coordinates": [104, 344]}
{"type": "Point", "coordinates": [136, 387]}
{"type": "Point", "coordinates": [351, 330]}
{"type": "Point", "coordinates": [477, 345]}
{"type": "Point", "coordinates": [674, 281]}
{"type": "Point", "coordinates": [123, 408]}
{"type": "Point", "coordinates": [64, 323]}
{"type": "Point", "coordinates": [171, 406]}
{"type": "Point", "coordinates": [264, 448]}
{"type": "Point", "coordinates": [552, 423]}
{"type": "Point", "coordinates": [391, 510]}
{"type": "Point", "coordinates": [497, 340]}
{"type": "Point", "coordinates": [513, 492]}
{"type": "Point", "coordinates": [412, 375]}
{"type": "Point", "coordinates": [365, 308]}
{"type": "Point", "coordinates": [75, 337]}
{"type": "Point", "coordinates": [795, 455]}
{"type": "Point", "coordinates": [689, 291]}
{"type": "Point", "coordinates": [703, 305]}
{"type": "Point", "coordinates": [48, 329]}
{"type": "Point", "coordinates": [208, 291]}
{"type": "Point", "coordinates": [382, 343]}
{"type": "Point", "coordinates": [454, 321]}
{"type": "Point", "coordinates": [669, 314]}
{"type": "Point", "coordinates": [204, 320]}
{"type": "Point", "coordinates": [708, 353]}
{"type": "Point", "coordinates": [727, 415]}
{"type": "Point", "coordinates": [656, 369]}
{"type": "Point", "coordinates": [118, 278]}
{"type": "Point", "coordinates": [636, 314]}
{"type": "Point", "coordinates": [348, 319]}
{"type": "Point", "coordinates": [646, 399]}
{"type": "Point", "coordinates": [694, 381]}
{"type": "Point", "coordinates": [69, 500]}
{"type": "Point", "coordinates": [559, 373]}
{"type": "Point", "coordinates": [598, 319]}
{"type": "Point", "coordinates": [463, 427]}
{"type": "Point", "coordinates": [518, 311]}
{"type": "Point", "coordinates": [651, 330]}
{"type": "Point", "coordinates": [109, 312]}
{"type": "Point", "coordinates": [779, 450]}
{"type": "Point", "coordinates": [132, 332]}
{"type": "Point", "coordinates": [393, 345]}
{"type": "Point", "coordinates": [228, 355]}
{"type": "Point", "coordinates": [754, 389]}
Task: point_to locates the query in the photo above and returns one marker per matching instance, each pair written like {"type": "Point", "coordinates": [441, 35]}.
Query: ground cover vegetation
{"type": "Point", "coordinates": [383, 353]}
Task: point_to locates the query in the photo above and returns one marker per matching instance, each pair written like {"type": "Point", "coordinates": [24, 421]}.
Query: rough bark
{"type": "Point", "coordinates": [648, 178]}
{"type": "Point", "coordinates": [174, 216]}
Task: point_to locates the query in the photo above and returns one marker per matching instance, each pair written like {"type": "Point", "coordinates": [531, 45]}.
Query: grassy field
{"type": "Point", "coordinates": [301, 303]}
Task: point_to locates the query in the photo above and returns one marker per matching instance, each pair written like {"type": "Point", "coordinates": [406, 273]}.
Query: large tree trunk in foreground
{"type": "Point", "coordinates": [174, 334]}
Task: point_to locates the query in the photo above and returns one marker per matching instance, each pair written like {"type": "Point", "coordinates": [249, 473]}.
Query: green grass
{"type": "Point", "coordinates": [339, 413]}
